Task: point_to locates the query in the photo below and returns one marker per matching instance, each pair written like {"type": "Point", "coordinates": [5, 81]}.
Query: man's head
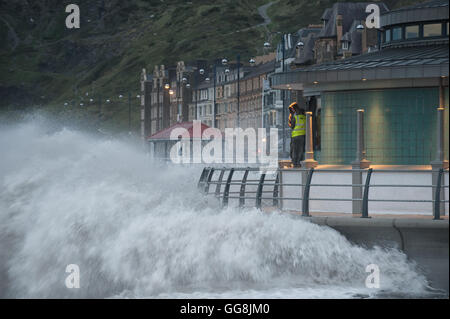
{"type": "Point", "coordinates": [294, 108]}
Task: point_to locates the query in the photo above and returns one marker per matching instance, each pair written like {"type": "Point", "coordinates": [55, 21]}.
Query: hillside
{"type": "Point", "coordinates": [42, 63]}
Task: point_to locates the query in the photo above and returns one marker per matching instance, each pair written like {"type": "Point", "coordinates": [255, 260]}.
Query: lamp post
{"type": "Point", "coordinates": [129, 112]}
{"type": "Point", "coordinates": [238, 87]}
{"type": "Point", "coordinates": [215, 102]}
{"type": "Point", "coordinates": [283, 93]}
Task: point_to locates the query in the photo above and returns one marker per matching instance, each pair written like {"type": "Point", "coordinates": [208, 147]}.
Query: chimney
{"type": "Point", "coordinates": [364, 39]}
{"type": "Point", "coordinates": [339, 29]}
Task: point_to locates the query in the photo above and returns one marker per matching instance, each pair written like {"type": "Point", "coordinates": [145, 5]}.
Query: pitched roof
{"type": "Point", "coordinates": [394, 63]}
{"type": "Point", "coordinates": [350, 12]}
{"type": "Point", "coordinates": [308, 37]}
{"type": "Point", "coordinates": [389, 57]}
{"type": "Point", "coordinates": [425, 5]}
{"type": "Point", "coordinates": [189, 126]}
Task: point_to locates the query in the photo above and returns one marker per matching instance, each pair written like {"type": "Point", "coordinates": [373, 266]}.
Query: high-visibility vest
{"type": "Point", "coordinates": [299, 128]}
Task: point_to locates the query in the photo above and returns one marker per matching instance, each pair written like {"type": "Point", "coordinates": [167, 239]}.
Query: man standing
{"type": "Point", "coordinates": [297, 122]}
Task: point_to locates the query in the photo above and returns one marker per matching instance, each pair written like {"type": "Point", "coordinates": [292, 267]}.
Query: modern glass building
{"type": "Point", "coordinates": [400, 87]}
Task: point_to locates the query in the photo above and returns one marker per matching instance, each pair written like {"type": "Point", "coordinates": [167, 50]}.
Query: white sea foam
{"type": "Point", "coordinates": [139, 230]}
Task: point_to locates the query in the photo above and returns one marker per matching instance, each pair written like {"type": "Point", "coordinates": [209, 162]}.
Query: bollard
{"type": "Point", "coordinates": [309, 161]}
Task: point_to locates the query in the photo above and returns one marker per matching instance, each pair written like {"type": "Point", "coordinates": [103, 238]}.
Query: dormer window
{"type": "Point", "coordinates": [344, 45]}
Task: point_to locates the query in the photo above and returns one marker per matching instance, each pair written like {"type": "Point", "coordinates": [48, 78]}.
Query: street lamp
{"type": "Point", "coordinates": [167, 86]}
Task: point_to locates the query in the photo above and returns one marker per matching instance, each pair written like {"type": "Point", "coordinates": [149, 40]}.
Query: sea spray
{"type": "Point", "coordinates": [140, 229]}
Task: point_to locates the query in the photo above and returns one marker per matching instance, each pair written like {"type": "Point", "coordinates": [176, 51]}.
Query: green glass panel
{"type": "Point", "coordinates": [400, 125]}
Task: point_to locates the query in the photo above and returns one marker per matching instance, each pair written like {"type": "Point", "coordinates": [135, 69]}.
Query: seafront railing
{"type": "Point", "coordinates": [225, 177]}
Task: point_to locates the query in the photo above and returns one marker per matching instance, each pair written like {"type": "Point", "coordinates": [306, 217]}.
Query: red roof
{"type": "Point", "coordinates": [189, 126]}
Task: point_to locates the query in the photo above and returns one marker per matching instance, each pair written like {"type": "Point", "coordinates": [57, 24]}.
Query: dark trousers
{"type": "Point", "coordinates": [297, 149]}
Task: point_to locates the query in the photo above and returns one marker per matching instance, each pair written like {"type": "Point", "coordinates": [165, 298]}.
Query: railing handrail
{"type": "Point", "coordinates": [208, 172]}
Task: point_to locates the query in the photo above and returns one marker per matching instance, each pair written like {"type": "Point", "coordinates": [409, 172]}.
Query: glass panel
{"type": "Point", "coordinates": [412, 31]}
{"type": "Point", "coordinates": [387, 36]}
{"type": "Point", "coordinates": [432, 30]}
{"type": "Point", "coordinates": [389, 136]}
{"type": "Point", "coordinates": [397, 33]}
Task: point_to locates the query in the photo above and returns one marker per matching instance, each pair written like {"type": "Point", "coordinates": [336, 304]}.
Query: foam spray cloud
{"type": "Point", "coordinates": [138, 229]}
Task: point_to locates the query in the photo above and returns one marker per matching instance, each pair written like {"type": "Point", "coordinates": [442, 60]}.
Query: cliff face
{"type": "Point", "coordinates": [42, 60]}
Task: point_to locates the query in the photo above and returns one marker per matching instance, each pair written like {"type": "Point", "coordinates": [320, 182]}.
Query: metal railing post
{"type": "Point", "coordinates": [202, 178]}
{"type": "Point", "coordinates": [242, 191]}
{"type": "Point", "coordinates": [439, 161]}
{"type": "Point", "coordinates": [260, 189]}
{"type": "Point", "coordinates": [226, 191]}
{"type": "Point", "coordinates": [219, 182]}
{"type": "Point", "coordinates": [365, 203]}
{"type": "Point", "coordinates": [305, 201]}
{"type": "Point", "coordinates": [208, 181]}
{"type": "Point", "coordinates": [275, 190]}
{"type": "Point", "coordinates": [437, 197]}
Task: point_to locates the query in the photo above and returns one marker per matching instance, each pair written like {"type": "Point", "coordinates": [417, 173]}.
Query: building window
{"type": "Point", "coordinates": [396, 33]}
{"type": "Point", "coordinates": [344, 45]}
{"type": "Point", "coordinates": [412, 32]}
{"type": "Point", "coordinates": [387, 36]}
{"type": "Point", "coordinates": [432, 30]}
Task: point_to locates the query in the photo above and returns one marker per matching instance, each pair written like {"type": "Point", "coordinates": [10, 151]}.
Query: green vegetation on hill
{"type": "Point", "coordinates": [43, 64]}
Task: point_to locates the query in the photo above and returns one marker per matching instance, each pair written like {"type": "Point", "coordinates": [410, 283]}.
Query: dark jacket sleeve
{"type": "Point", "coordinates": [291, 121]}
